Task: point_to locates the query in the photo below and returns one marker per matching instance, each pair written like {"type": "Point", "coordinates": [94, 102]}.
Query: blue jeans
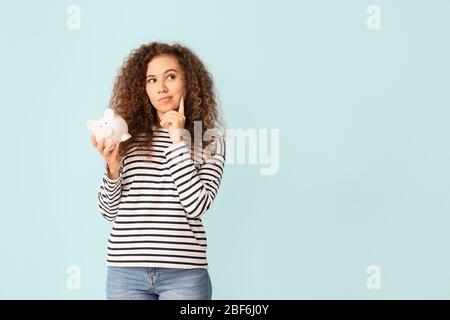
{"type": "Point", "coordinates": [144, 283]}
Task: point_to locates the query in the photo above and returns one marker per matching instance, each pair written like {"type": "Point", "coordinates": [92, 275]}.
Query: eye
{"type": "Point", "coordinates": [151, 79]}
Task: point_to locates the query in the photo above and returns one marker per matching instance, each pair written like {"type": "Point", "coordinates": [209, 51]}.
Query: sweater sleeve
{"type": "Point", "coordinates": [197, 188]}
{"type": "Point", "coordinates": [109, 196]}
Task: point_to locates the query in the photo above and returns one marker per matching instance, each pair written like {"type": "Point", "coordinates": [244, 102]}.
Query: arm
{"type": "Point", "coordinates": [196, 188]}
{"type": "Point", "coordinates": [109, 195]}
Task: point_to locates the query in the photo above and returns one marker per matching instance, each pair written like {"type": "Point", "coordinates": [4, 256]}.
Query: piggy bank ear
{"type": "Point", "coordinates": [109, 113]}
{"type": "Point", "coordinates": [91, 124]}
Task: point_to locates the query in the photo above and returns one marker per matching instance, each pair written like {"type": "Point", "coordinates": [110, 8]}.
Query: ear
{"type": "Point", "coordinates": [109, 113]}
{"type": "Point", "coordinates": [90, 124]}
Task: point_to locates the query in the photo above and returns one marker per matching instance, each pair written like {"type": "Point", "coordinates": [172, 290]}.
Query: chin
{"type": "Point", "coordinates": [168, 108]}
{"type": "Point", "coordinates": [164, 109]}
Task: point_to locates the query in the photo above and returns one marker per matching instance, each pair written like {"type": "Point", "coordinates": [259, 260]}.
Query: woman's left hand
{"type": "Point", "coordinates": [175, 121]}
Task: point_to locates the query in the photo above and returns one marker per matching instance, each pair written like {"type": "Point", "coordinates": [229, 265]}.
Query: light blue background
{"type": "Point", "coordinates": [364, 157]}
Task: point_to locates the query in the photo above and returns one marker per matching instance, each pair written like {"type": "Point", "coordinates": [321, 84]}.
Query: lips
{"type": "Point", "coordinates": [164, 99]}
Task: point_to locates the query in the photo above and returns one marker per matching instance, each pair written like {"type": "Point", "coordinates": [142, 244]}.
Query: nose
{"type": "Point", "coordinates": [162, 87]}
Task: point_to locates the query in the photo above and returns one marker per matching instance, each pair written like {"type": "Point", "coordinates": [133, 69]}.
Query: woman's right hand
{"type": "Point", "coordinates": [110, 153]}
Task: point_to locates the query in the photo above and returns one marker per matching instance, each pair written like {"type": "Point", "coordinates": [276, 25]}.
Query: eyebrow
{"type": "Point", "coordinates": [151, 75]}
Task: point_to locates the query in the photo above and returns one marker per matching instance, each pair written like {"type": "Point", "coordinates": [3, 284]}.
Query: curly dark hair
{"type": "Point", "coordinates": [130, 100]}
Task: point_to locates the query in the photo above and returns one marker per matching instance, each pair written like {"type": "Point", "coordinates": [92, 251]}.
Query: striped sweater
{"type": "Point", "coordinates": [157, 204]}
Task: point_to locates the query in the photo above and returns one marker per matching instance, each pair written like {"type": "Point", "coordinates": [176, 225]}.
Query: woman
{"type": "Point", "coordinates": [158, 184]}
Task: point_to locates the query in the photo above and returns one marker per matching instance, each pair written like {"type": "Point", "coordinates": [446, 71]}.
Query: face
{"type": "Point", "coordinates": [164, 78]}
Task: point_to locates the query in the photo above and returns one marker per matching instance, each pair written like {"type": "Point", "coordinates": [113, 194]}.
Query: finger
{"type": "Point", "coordinates": [106, 154]}
{"type": "Point", "coordinates": [113, 146]}
{"type": "Point", "coordinates": [101, 145]}
{"type": "Point", "coordinates": [163, 123]}
{"type": "Point", "coordinates": [108, 151]}
{"type": "Point", "coordinates": [164, 120]}
{"type": "Point", "coordinates": [165, 115]}
{"type": "Point", "coordinates": [181, 107]}
{"type": "Point", "coordinates": [168, 119]}
{"type": "Point", "coordinates": [172, 113]}
{"type": "Point", "coordinates": [93, 141]}
{"type": "Point", "coordinates": [172, 117]}
{"type": "Point", "coordinates": [109, 144]}
{"type": "Point", "coordinates": [115, 150]}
